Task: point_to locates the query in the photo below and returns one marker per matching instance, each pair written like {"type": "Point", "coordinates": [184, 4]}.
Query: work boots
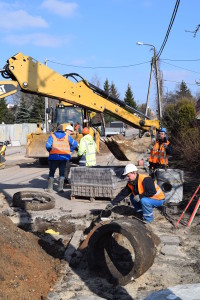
{"type": "Point", "coordinates": [60, 184]}
{"type": "Point", "coordinates": [50, 185]}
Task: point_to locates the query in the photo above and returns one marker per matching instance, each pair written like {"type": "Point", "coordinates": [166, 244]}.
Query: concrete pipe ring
{"type": "Point", "coordinates": [121, 251]}
{"type": "Point", "coordinates": [30, 200]}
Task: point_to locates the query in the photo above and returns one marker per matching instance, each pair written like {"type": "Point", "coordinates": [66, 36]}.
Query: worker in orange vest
{"type": "Point", "coordinates": [144, 193]}
{"type": "Point", "coordinates": [60, 145]}
{"type": "Point", "coordinates": [158, 157]}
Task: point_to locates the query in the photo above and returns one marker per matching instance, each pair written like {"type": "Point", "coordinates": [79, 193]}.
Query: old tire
{"type": "Point", "coordinates": [141, 242]}
{"type": "Point", "coordinates": [30, 200]}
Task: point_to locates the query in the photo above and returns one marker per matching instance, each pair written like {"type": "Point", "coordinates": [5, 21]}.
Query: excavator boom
{"type": "Point", "coordinates": [35, 77]}
{"type": "Point", "coordinates": [31, 76]}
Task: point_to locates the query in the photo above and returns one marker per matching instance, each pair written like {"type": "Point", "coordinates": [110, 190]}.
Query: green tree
{"type": "Point", "coordinates": [23, 114]}
{"type": "Point", "coordinates": [129, 98]}
{"type": "Point", "coordinates": [6, 116]}
{"type": "Point", "coordinates": [113, 91]}
{"type": "Point", "coordinates": [106, 86]}
{"type": "Point", "coordinates": [37, 114]}
{"type": "Point", "coordinates": [178, 117]}
{"type": "Point", "coordinates": [183, 91]}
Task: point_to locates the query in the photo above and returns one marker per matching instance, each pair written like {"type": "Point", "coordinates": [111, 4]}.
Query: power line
{"type": "Point", "coordinates": [169, 28]}
{"type": "Point", "coordinates": [197, 59]}
{"type": "Point", "coordinates": [179, 82]}
{"type": "Point", "coordinates": [105, 67]}
{"type": "Point", "coordinates": [181, 68]}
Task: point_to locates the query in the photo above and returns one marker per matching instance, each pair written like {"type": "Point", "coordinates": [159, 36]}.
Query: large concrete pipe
{"type": "Point", "coordinates": [122, 250]}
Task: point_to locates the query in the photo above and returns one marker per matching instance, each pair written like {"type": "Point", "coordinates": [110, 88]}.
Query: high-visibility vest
{"type": "Point", "coordinates": [87, 148]}
{"type": "Point", "coordinates": [159, 193]}
{"type": "Point", "coordinates": [158, 156]}
{"type": "Point", "coordinates": [60, 146]}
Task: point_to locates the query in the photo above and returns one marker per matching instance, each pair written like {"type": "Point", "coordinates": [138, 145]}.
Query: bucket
{"type": "Point", "coordinates": [171, 182]}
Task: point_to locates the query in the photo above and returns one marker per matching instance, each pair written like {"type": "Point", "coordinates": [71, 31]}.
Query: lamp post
{"type": "Point", "coordinates": [46, 107]}
{"type": "Point", "coordinates": [153, 61]}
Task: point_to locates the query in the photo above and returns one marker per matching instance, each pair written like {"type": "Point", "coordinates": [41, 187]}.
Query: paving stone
{"type": "Point", "coordinates": [170, 240]}
{"type": "Point", "coordinates": [171, 250]}
{"type": "Point", "coordinates": [183, 292]}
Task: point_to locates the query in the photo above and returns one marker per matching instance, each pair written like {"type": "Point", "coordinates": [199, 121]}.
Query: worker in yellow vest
{"type": "Point", "coordinates": [87, 149]}
{"type": "Point", "coordinates": [144, 193]}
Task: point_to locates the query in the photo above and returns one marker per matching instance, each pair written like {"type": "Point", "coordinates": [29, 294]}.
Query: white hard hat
{"type": "Point", "coordinates": [69, 127]}
{"type": "Point", "coordinates": [130, 168]}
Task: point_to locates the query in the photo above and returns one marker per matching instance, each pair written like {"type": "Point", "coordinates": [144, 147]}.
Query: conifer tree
{"type": "Point", "coordinates": [23, 112]}
{"type": "Point", "coordinates": [37, 114]}
{"type": "Point", "coordinates": [113, 91]}
{"type": "Point", "coordinates": [6, 116]}
{"type": "Point", "coordinates": [106, 86]}
{"type": "Point", "coordinates": [183, 91]}
{"type": "Point", "coordinates": [129, 98]}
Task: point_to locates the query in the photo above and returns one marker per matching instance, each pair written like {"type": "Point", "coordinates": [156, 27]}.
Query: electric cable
{"type": "Point", "coordinates": [169, 29]}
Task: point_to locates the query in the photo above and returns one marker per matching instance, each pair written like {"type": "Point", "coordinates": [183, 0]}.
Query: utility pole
{"type": "Point", "coordinates": [158, 89]}
{"type": "Point", "coordinates": [154, 63]}
{"type": "Point", "coordinates": [150, 78]}
{"type": "Point", "coordinates": [46, 107]}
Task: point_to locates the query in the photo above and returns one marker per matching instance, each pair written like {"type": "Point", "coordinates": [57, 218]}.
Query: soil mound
{"type": "Point", "coordinates": [26, 270]}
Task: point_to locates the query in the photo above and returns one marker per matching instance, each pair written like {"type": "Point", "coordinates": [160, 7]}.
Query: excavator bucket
{"type": "Point", "coordinates": [36, 145]}
{"type": "Point", "coordinates": [127, 149]}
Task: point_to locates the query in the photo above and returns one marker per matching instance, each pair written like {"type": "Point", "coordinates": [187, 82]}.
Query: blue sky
{"type": "Point", "coordinates": [98, 37]}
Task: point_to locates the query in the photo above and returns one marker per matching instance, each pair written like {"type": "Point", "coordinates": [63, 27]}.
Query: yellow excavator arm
{"type": "Point", "coordinates": [34, 77]}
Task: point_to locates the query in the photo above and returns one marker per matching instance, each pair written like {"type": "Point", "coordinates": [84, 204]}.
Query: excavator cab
{"type": "Point", "coordinates": [64, 114]}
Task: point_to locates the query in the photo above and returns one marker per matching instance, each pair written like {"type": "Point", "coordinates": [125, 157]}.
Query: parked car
{"type": "Point", "coordinates": [116, 127]}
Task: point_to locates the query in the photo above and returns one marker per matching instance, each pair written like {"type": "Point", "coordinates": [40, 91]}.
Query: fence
{"type": "Point", "coordinates": [16, 133]}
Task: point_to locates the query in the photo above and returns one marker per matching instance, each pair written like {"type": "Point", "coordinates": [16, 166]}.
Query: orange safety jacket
{"type": "Point", "coordinates": [60, 146]}
{"type": "Point", "coordinates": [159, 193]}
{"type": "Point", "coordinates": [158, 156]}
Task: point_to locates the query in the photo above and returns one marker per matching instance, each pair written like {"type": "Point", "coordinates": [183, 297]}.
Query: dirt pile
{"type": "Point", "coordinates": [26, 270]}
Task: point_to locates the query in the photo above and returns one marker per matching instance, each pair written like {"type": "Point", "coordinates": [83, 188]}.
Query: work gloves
{"type": "Point", "coordinates": [109, 206]}
{"type": "Point", "coordinates": [137, 198]}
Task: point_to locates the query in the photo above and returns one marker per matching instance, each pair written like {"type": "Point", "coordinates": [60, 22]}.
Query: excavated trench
{"type": "Point", "coordinates": [117, 250]}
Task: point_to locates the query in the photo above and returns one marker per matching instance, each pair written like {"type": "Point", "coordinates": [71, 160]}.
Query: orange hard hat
{"type": "Point", "coordinates": [85, 130]}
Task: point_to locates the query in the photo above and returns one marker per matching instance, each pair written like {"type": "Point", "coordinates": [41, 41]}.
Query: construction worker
{"type": "Point", "coordinates": [158, 157]}
{"type": "Point", "coordinates": [2, 154]}
{"type": "Point", "coordinates": [60, 145]}
{"type": "Point", "coordinates": [68, 130]}
{"type": "Point", "coordinates": [87, 149]}
{"type": "Point", "coordinates": [39, 129]}
{"type": "Point", "coordinates": [145, 193]}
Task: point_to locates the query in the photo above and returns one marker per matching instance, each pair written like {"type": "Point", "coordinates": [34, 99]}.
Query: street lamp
{"type": "Point", "coordinates": [153, 61]}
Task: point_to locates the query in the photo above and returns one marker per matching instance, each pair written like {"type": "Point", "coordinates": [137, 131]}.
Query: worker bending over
{"type": "Point", "coordinates": [87, 149]}
{"type": "Point", "coordinates": [145, 193]}
{"type": "Point", "coordinates": [158, 157]}
{"type": "Point", "coordinates": [59, 145]}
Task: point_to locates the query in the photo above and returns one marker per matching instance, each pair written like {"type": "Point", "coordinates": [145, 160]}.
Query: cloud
{"type": "Point", "coordinates": [60, 8]}
{"type": "Point", "coordinates": [20, 19]}
{"type": "Point", "coordinates": [38, 39]}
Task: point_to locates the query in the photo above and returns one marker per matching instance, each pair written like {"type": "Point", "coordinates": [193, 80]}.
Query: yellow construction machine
{"type": "Point", "coordinates": [63, 114]}
{"type": "Point", "coordinates": [31, 76]}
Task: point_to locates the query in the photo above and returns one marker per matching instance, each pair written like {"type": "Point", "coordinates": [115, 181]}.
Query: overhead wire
{"type": "Point", "coordinates": [169, 29]}
{"type": "Point", "coordinates": [104, 67]}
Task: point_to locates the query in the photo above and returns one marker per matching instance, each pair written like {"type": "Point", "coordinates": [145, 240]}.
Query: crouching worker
{"type": "Point", "coordinates": [87, 149]}
{"type": "Point", "coordinates": [59, 145]}
{"type": "Point", "coordinates": [145, 193]}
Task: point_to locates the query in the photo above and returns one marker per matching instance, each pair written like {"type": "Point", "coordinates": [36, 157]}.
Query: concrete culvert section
{"type": "Point", "coordinates": [32, 200]}
{"type": "Point", "coordinates": [122, 251]}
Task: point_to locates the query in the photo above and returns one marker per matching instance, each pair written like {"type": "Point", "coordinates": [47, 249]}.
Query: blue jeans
{"type": "Point", "coordinates": [54, 164]}
{"type": "Point", "coordinates": [145, 206]}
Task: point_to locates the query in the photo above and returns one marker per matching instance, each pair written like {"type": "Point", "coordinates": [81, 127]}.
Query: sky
{"type": "Point", "coordinates": [97, 39]}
